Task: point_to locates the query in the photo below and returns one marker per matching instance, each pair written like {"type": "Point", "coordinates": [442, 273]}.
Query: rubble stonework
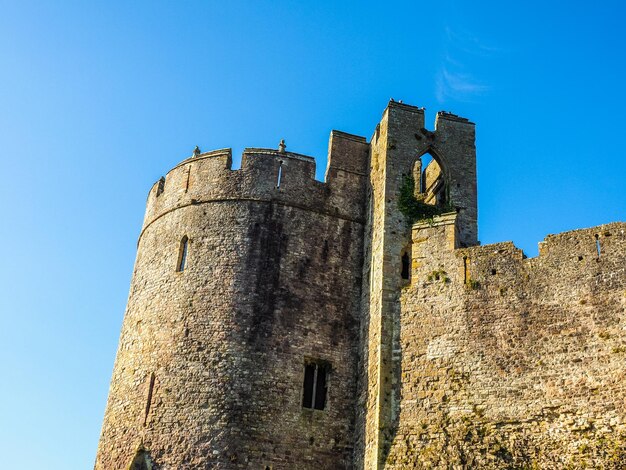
{"type": "Point", "coordinates": [481, 358]}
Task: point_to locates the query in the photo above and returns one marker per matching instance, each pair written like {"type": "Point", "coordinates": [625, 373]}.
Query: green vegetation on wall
{"type": "Point", "coordinates": [414, 208]}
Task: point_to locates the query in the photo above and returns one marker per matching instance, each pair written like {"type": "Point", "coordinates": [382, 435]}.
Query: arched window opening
{"type": "Point", "coordinates": [182, 254]}
{"type": "Point", "coordinates": [141, 461]}
{"type": "Point", "coordinates": [406, 266]}
{"type": "Point", "coordinates": [432, 181]}
{"type": "Point", "coordinates": [424, 193]}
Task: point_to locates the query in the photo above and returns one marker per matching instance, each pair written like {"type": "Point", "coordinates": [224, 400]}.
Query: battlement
{"type": "Point", "coordinates": [448, 116]}
{"type": "Point", "coordinates": [405, 107]}
{"type": "Point", "coordinates": [567, 258]}
{"type": "Point", "coordinates": [279, 176]}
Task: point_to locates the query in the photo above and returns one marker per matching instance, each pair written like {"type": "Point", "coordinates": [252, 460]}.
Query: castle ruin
{"type": "Point", "coordinates": [279, 322]}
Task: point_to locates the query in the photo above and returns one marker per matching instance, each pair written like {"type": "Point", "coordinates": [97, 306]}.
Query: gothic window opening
{"type": "Point", "coordinates": [315, 385]}
{"type": "Point", "coordinates": [141, 461]}
{"type": "Point", "coordinates": [406, 266]}
{"type": "Point", "coordinates": [432, 181]}
{"type": "Point", "coordinates": [182, 254]}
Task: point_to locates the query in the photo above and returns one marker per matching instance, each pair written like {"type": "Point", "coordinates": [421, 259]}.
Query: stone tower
{"type": "Point", "coordinates": [398, 143]}
{"type": "Point", "coordinates": [245, 280]}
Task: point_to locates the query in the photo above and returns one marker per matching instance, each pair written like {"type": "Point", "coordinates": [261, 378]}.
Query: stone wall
{"type": "Point", "coordinates": [510, 362]}
{"type": "Point", "coordinates": [210, 365]}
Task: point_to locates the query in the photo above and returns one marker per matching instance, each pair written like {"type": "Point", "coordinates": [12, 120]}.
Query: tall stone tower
{"type": "Point", "coordinates": [399, 142]}
{"type": "Point", "coordinates": [263, 311]}
{"type": "Point", "coordinates": [246, 282]}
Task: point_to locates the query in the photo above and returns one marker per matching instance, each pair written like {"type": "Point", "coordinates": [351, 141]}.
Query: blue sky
{"type": "Point", "coordinates": [99, 99]}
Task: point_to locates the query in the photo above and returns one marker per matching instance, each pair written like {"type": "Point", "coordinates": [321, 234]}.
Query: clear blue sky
{"type": "Point", "coordinates": [99, 99]}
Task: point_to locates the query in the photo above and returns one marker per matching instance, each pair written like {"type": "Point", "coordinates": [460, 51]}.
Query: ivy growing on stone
{"type": "Point", "coordinates": [414, 208]}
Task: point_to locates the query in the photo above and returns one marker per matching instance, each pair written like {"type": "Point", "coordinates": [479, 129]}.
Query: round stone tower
{"type": "Point", "coordinates": [239, 342]}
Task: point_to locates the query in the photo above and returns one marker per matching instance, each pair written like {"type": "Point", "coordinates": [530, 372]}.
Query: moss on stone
{"type": "Point", "coordinates": [414, 208]}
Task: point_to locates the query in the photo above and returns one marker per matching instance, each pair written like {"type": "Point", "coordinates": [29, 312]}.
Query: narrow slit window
{"type": "Point", "coordinates": [160, 187]}
{"type": "Point", "coordinates": [406, 262]}
{"type": "Point", "coordinates": [280, 174]}
{"type": "Point", "coordinates": [598, 248]}
{"type": "Point", "coordinates": [188, 177]}
{"type": "Point", "coordinates": [149, 399]}
{"type": "Point", "coordinates": [309, 385]}
{"type": "Point", "coordinates": [182, 254]}
{"type": "Point", "coordinates": [315, 386]}
{"type": "Point", "coordinates": [465, 270]}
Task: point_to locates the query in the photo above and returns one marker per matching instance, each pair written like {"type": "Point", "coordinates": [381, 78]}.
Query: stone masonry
{"type": "Point", "coordinates": [428, 350]}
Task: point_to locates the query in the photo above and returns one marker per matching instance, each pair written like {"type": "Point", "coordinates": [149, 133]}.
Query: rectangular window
{"type": "Point", "coordinates": [315, 385]}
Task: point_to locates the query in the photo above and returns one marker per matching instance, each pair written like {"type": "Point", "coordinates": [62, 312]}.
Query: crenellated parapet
{"type": "Point", "coordinates": [282, 177]}
{"type": "Point", "coordinates": [593, 254]}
